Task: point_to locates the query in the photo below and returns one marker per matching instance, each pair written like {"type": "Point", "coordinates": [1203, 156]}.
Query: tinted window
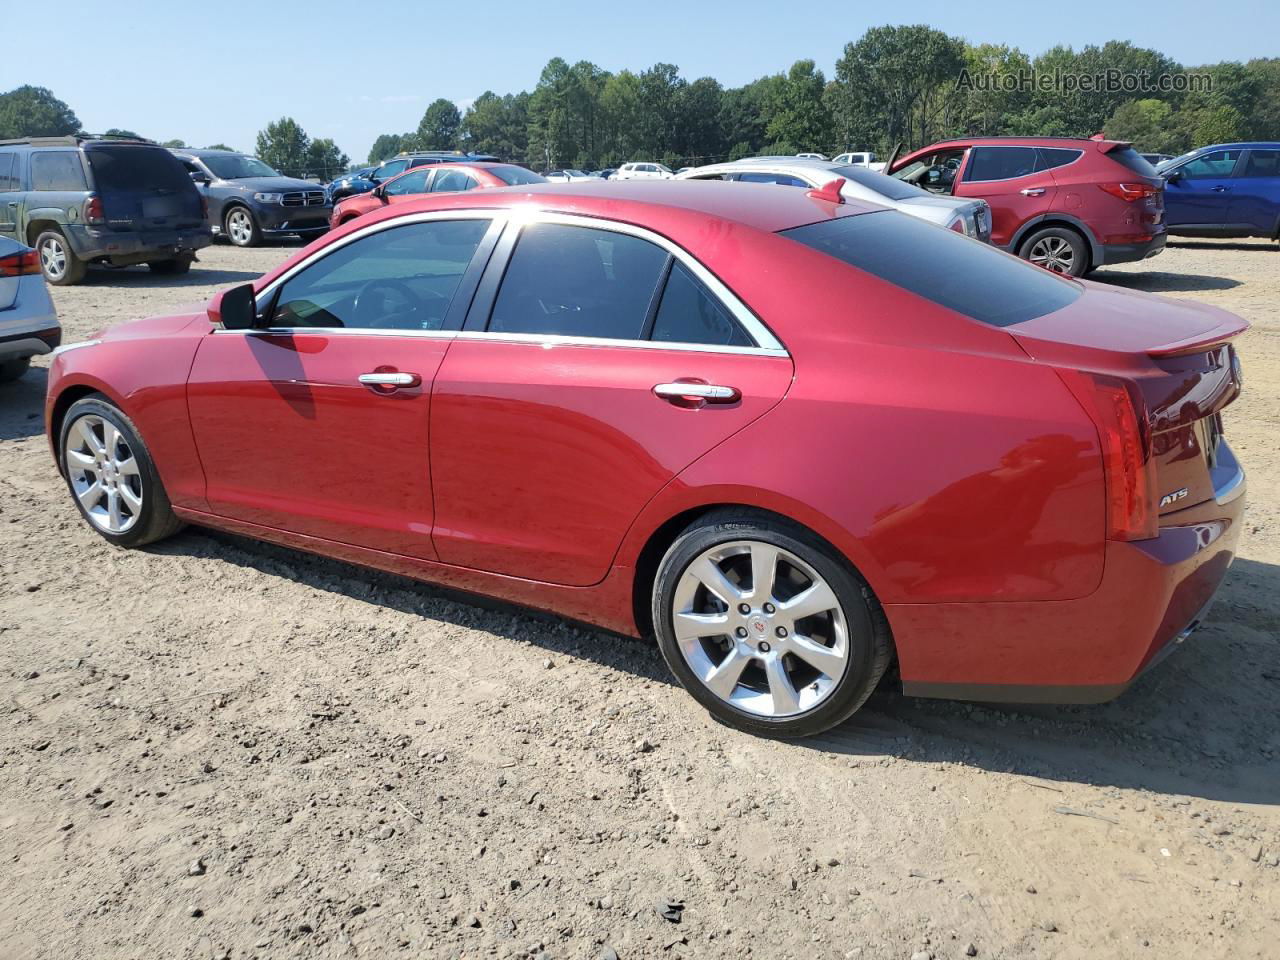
{"type": "Point", "coordinates": [941, 265]}
{"type": "Point", "coordinates": [779, 178]}
{"type": "Point", "coordinates": [413, 182]}
{"type": "Point", "coordinates": [403, 278]}
{"type": "Point", "coordinates": [8, 172]}
{"type": "Point", "coordinates": [1131, 159]}
{"type": "Point", "coordinates": [578, 281]}
{"type": "Point", "coordinates": [881, 184]}
{"type": "Point", "coordinates": [57, 170]}
{"type": "Point", "coordinates": [131, 168]}
{"type": "Point", "coordinates": [390, 169]}
{"type": "Point", "coordinates": [1000, 163]}
{"type": "Point", "coordinates": [1212, 166]}
{"type": "Point", "coordinates": [1051, 157]}
{"type": "Point", "coordinates": [1262, 163]}
{"type": "Point", "coordinates": [516, 175]}
{"type": "Point", "coordinates": [231, 166]}
{"type": "Point", "coordinates": [689, 314]}
{"type": "Point", "coordinates": [447, 181]}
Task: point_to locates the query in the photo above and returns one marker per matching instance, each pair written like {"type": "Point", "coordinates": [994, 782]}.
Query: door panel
{"type": "Point", "coordinates": [290, 438]}
{"type": "Point", "coordinates": [544, 453]}
{"type": "Point", "coordinates": [1201, 197]}
{"type": "Point", "coordinates": [1255, 197]}
{"type": "Point", "coordinates": [1013, 199]}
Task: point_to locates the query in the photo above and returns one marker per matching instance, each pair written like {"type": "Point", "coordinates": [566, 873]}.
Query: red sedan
{"type": "Point", "coordinates": [795, 438]}
{"type": "Point", "coordinates": [436, 178]}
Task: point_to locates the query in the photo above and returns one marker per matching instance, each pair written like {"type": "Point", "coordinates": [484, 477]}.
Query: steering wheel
{"type": "Point", "coordinates": [371, 308]}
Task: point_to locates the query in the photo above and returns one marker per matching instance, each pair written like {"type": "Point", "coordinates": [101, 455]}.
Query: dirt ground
{"type": "Point", "coordinates": [215, 748]}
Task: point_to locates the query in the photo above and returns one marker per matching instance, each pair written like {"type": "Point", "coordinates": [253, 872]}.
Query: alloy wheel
{"type": "Point", "coordinates": [104, 473]}
{"type": "Point", "coordinates": [53, 258]}
{"type": "Point", "coordinates": [240, 226]}
{"type": "Point", "coordinates": [760, 628]}
{"type": "Point", "coordinates": [1052, 253]}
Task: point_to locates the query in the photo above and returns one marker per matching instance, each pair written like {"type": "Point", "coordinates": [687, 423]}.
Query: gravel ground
{"type": "Point", "coordinates": [215, 748]}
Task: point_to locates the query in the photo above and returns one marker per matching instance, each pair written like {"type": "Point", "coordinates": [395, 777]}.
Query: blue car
{"type": "Point", "coordinates": [1227, 190]}
{"type": "Point", "coordinates": [362, 181]}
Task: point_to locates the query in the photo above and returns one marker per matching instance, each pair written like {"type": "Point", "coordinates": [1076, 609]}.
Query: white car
{"type": "Point", "coordinates": [28, 324]}
{"type": "Point", "coordinates": [568, 176]}
{"type": "Point", "coordinates": [971, 217]}
{"type": "Point", "coordinates": [643, 171]}
{"type": "Point", "coordinates": [864, 158]}
{"type": "Point", "coordinates": [810, 156]}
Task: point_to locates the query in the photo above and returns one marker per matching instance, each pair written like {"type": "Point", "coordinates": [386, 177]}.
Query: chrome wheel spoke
{"type": "Point", "coordinates": [691, 626]}
{"type": "Point", "coordinates": [128, 467]}
{"type": "Point", "coordinates": [90, 439]}
{"type": "Point", "coordinates": [817, 598]}
{"type": "Point", "coordinates": [783, 693]}
{"type": "Point", "coordinates": [90, 495]}
{"type": "Point", "coordinates": [723, 680]}
{"type": "Point", "coordinates": [115, 520]}
{"type": "Point", "coordinates": [822, 658]}
{"type": "Point", "coordinates": [709, 574]}
{"type": "Point", "coordinates": [764, 568]}
{"type": "Point", "coordinates": [83, 461]}
{"type": "Point", "coordinates": [131, 499]}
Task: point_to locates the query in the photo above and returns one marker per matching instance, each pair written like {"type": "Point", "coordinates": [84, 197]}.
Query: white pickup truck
{"type": "Point", "coordinates": [859, 159]}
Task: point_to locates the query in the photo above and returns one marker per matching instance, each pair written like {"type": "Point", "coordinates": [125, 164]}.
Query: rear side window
{"type": "Point", "coordinates": [1131, 159]}
{"type": "Point", "coordinates": [516, 176]}
{"type": "Point", "coordinates": [956, 272]}
{"type": "Point", "coordinates": [1051, 157]}
{"type": "Point", "coordinates": [779, 178]}
{"type": "Point", "coordinates": [8, 172]}
{"type": "Point", "coordinates": [689, 314]}
{"type": "Point", "coordinates": [1262, 163]}
{"type": "Point", "coordinates": [1000, 163]}
{"type": "Point", "coordinates": [136, 168]}
{"type": "Point", "coordinates": [578, 282]}
{"type": "Point", "coordinates": [885, 186]}
{"type": "Point", "coordinates": [448, 181]}
{"type": "Point", "coordinates": [57, 170]}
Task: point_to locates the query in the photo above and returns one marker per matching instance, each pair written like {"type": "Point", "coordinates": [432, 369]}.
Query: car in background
{"type": "Point", "coordinates": [1227, 190]}
{"type": "Point", "coordinates": [1066, 204]}
{"type": "Point", "coordinates": [565, 176]}
{"type": "Point", "coordinates": [810, 156]}
{"type": "Point", "coordinates": [437, 178]}
{"type": "Point", "coordinates": [341, 186]}
{"type": "Point", "coordinates": [1155, 159]}
{"type": "Point", "coordinates": [968, 216]}
{"type": "Point", "coordinates": [28, 323]}
{"type": "Point", "coordinates": [607, 173]}
{"type": "Point", "coordinates": [620, 394]}
{"type": "Point", "coordinates": [394, 166]}
{"type": "Point", "coordinates": [249, 201]}
{"type": "Point", "coordinates": [859, 158]}
{"type": "Point", "coordinates": [643, 171]}
{"type": "Point", "coordinates": [82, 200]}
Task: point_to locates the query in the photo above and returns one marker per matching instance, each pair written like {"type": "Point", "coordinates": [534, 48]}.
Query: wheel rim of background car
{"type": "Point", "coordinates": [239, 226]}
{"type": "Point", "coordinates": [1052, 253]}
{"type": "Point", "coordinates": [104, 473]}
{"type": "Point", "coordinates": [760, 628]}
{"type": "Point", "coordinates": [53, 258]}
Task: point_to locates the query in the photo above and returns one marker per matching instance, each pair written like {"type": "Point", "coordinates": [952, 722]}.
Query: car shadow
{"type": "Point", "coordinates": [1202, 723]}
{"type": "Point", "coordinates": [1157, 281]}
{"type": "Point", "coordinates": [142, 276]}
{"type": "Point", "coordinates": [1260, 246]}
{"type": "Point", "coordinates": [22, 405]}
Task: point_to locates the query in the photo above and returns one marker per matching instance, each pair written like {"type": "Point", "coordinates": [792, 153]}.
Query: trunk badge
{"type": "Point", "coordinates": [1174, 497]}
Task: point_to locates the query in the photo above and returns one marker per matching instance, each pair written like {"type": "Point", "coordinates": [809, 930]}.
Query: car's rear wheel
{"type": "Point", "coordinates": [1058, 250]}
{"type": "Point", "coordinates": [766, 626]}
{"type": "Point", "coordinates": [173, 267]}
{"type": "Point", "coordinates": [241, 227]}
{"type": "Point", "coordinates": [111, 476]}
{"type": "Point", "coordinates": [11, 370]}
{"type": "Point", "coordinates": [58, 262]}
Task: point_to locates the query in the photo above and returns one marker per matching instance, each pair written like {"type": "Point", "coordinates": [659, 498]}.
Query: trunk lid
{"type": "Point", "coordinates": [143, 188]}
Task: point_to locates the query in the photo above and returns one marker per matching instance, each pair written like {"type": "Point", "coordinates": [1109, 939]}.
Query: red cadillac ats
{"type": "Point", "coordinates": [795, 439]}
{"type": "Point", "coordinates": [436, 178]}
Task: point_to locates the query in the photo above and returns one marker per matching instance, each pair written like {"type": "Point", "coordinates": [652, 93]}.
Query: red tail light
{"type": "Point", "coordinates": [1130, 192]}
{"type": "Point", "coordinates": [957, 225]}
{"type": "Point", "coordinates": [21, 264]}
{"type": "Point", "coordinates": [93, 210]}
{"type": "Point", "coordinates": [1119, 411]}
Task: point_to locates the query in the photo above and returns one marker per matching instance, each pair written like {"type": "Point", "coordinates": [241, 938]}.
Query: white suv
{"type": "Point", "coordinates": [643, 171]}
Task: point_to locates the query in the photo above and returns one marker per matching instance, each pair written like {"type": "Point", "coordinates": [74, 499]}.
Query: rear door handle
{"type": "Point", "coordinates": [709, 392]}
{"type": "Point", "coordinates": [390, 379]}
{"type": "Point", "coordinates": [1220, 189]}
{"type": "Point", "coordinates": [1032, 191]}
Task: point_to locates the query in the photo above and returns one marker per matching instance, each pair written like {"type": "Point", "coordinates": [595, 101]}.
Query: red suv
{"type": "Point", "coordinates": [1066, 204]}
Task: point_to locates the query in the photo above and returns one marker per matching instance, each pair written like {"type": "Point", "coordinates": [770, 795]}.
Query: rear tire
{"type": "Point", "coordinates": [11, 370]}
{"type": "Point", "coordinates": [174, 267]}
{"type": "Point", "coordinates": [775, 670]}
{"type": "Point", "coordinates": [58, 262]}
{"type": "Point", "coordinates": [1058, 250]}
{"type": "Point", "coordinates": [241, 227]}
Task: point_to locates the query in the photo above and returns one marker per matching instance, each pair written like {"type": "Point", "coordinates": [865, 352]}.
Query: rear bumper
{"type": "Point", "coordinates": [1129, 252]}
{"type": "Point", "coordinates": [124, 249]}
{"type": "Point", "coordinates": [15, 346]}
{"type": "Point", "coordinates": [1152, 596]}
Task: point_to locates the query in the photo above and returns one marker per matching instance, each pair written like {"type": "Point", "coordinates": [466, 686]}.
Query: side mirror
{"type": "Point", "coordinates": [1173, 177]}
{"type": "Point", "coordinates": [198, 177]}
{"type": "Point", "coordinates": [380, 191]}
{"type": "Point", "coordinates": [234, 309]}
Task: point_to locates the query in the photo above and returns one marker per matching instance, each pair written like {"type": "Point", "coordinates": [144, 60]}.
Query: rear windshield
{"type": "Point", "coordinates": [881, 184]}
{"type": "Point", "coordinates": [516, 175]}
{"type": "Point", "coordinates": [1131, 158]}
{"type": "Point", "coordinates": [133, 168]}
{"type": "Point", "coordinates": [957, 272]}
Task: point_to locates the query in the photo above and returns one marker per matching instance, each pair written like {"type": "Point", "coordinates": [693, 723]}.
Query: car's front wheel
{"type": "Point", "coordinates": [241, 227]}
{"type": "Point", "coordinates": [11, 370]}
{"type": "Point", "coordinates": [766, 626]}
{"type": "Point", "coordinates": [112, 478]}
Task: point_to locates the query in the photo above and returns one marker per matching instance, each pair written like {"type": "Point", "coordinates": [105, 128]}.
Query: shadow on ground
{"type": "Point", "coordinates": [22, 405]}
{"type": "Point", "coordinates": [1158, 282]}
{"type": "Point", "coordinates": [143, 277]}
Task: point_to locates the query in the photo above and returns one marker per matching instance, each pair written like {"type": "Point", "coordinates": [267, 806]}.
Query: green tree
{"type": "Point", "coordinates": [1146, 123]}
{"type": "Point", "coordinates": [325, 160]}
{"type": "Point", "coordinates": [387, 145]}
{"type": "Point", "coordinates": [797, 114]}
{"type": "Point", "coordinates": [661, 91]}
{"type": "Point", "coordinates": [175, 144]}
{"type": "Point", "coordinates": [990, 90]}
{"type": "Point", "coordinates": [283, 145]}
{"type": "Point", "coordinates": [117, 132]}
{"type": "Point", "coordinates": [497, 125]}
{"type": "Point", "coordinates": [620, 118]}
{"type": "Point", "coordinates": [438, 129]}
{"type": "Point", "coordinates": [700, 139]}
{"type": "Point", "coordinates": [35, 112]}
{"type": "Point", "coordinates": [220, 146]}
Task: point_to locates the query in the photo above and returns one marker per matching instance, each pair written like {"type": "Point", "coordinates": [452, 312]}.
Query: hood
{"type": "Point", "coordinates": [274, 184]}
{"type": "Point", "coordinates": [164, 325]}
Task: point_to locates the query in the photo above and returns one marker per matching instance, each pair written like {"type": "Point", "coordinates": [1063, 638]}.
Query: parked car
{"type": "Point", "coordinates": [394, 166]}
{"type": "Point", "coordinates": [810, 156]}
{"type": "Point", "coordinates": [607, 173]}
{"type": "Point", "coordinates": [565, 176]}
{"type": "Point", "coordinates": [249, 201]}
{"type": "Point", "coordinates": [1068, 205]}
{"type": "Point", "coordinates": [970, 217]}
{"type": "Point", "coordinates": [1155, 159]}
{"type": "Point", "coordinates": [438, 178]}
{"type": "Point", "coordinates": [28, 324]}
{"type": "Point", "coordinates": [624, 398]}
{"type": "Point", "coordinates": [643, 171]}
{"type": "Point", "coordinates": [118, 202]}
{"type": "Point", "coordinates": [1227, 190]}
{"type": "Point", "coordinates": [342, 186]}
{"type": "Point", "coordinates": [855, 158]}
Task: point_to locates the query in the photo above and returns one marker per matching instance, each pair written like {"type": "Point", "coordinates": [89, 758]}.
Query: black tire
{"type": "Point", "coordinates": [869, 640]}
{"type": "Point", "coordinates": [11, 370]}
{"type": "Point", "coordinates": [1073, 260]}
{"type": "Point", "coordinates": [74, 268]}
{"type": "Point", "coordinates": [250, 238]}
{"type": "Point", "coordinates": [174, 267]}
{"type": "Point", "coordinates": [156, 519]}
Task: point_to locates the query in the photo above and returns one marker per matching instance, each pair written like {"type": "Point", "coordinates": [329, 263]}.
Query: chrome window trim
{"type": "Point", "coordinates": [518, 218]}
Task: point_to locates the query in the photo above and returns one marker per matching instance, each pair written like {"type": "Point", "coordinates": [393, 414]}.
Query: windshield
{"type": "Point", "coordinates": [516, 176]}
{"type": "Point", "coordinates": [234, 166]}
{"type": "Point", "coordinates": [885, 186]}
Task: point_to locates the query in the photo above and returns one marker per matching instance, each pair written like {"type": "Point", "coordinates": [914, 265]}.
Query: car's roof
{"type": "Point", "coordinates": [1023, 141]}
{"type": "Point", "coordinates": [1250, 145]}
{"type": "Point", "coordinates": [192, 152]}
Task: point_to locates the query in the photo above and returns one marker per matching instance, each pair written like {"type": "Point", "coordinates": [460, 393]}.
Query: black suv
{"type": "Point", "coordinates": [82, 200]}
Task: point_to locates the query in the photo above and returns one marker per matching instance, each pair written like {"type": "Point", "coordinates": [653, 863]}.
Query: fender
{"type": "Point", "coordinates": [1096, 255]}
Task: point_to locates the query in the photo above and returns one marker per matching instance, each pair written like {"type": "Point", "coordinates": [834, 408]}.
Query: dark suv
{"type": "Point", "coordinates": [82, 200]}
{"type": "Point", "coordinates": [1069, 205]}
{"type": "Point", "coordinates": [248, 200]}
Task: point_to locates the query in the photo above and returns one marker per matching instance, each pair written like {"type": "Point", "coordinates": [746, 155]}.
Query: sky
{"type": "Point", "coordinates": [219, 72]}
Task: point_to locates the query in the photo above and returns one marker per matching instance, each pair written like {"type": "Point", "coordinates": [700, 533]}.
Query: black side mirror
{"type": "Point", "coordinates": [198, 177]}
{"type": "Point", "coordinates": [1173, 176]}
{"type": "Point", "coordinates": [235, 309]}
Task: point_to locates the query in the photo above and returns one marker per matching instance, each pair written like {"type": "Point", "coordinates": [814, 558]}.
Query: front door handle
{"type": "Point", "coordinates": [1220, 189]}
{"type": "Point", "coordinates": [390, 379]}
{"type": "Point", "coordinates": [695, 391]}
{"type": "Point", "coordinates": [1032, 192]}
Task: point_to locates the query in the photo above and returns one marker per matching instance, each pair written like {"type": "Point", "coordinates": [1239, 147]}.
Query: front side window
{"type": "Point", "coordinates": [57, 170]}
{"type": "Point", "coordinates": [402, 278]}
{"type": "Point", "coordinates": [689, 314]}
{"type": "Point", "coordinates": [449, 181]}
{"type": "Point", "coordinates": [578, 281]}
{"type": "Point", "coordinates": [1212, 166]}
{"type": "Point", "coordinates": [415, 181]}
{"type": "Point", "coordinates": [1262, 163]}
{"type": "Point", "coordinates": [1000, 163]}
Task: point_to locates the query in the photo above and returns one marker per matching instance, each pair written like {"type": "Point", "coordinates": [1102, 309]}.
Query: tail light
{"type": "Point", "coordinates": [1119, 411]}
{"type": "Point", "coordinates": [93, 210]}
{"type": "Point", "coordinates": [1129, 192]}
{"type": "Point", "coordinates": [21, 264]}
{"type": "Point", "coordinates": [957, 225]}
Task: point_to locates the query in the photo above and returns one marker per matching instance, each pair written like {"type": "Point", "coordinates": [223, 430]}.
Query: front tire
{"type": "Point", "coordinates": [241, 227]}
{"type": "Point", "coordinates": [11, 370]}
{"type": "Point", "coordinates": [1058, 250]}
{"type": "Point", "coordinates": [58, 262]}
{"type": "Point", "coordinates": [111, 476]}
{"type": "Point", "coordinates": [766, 626]}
